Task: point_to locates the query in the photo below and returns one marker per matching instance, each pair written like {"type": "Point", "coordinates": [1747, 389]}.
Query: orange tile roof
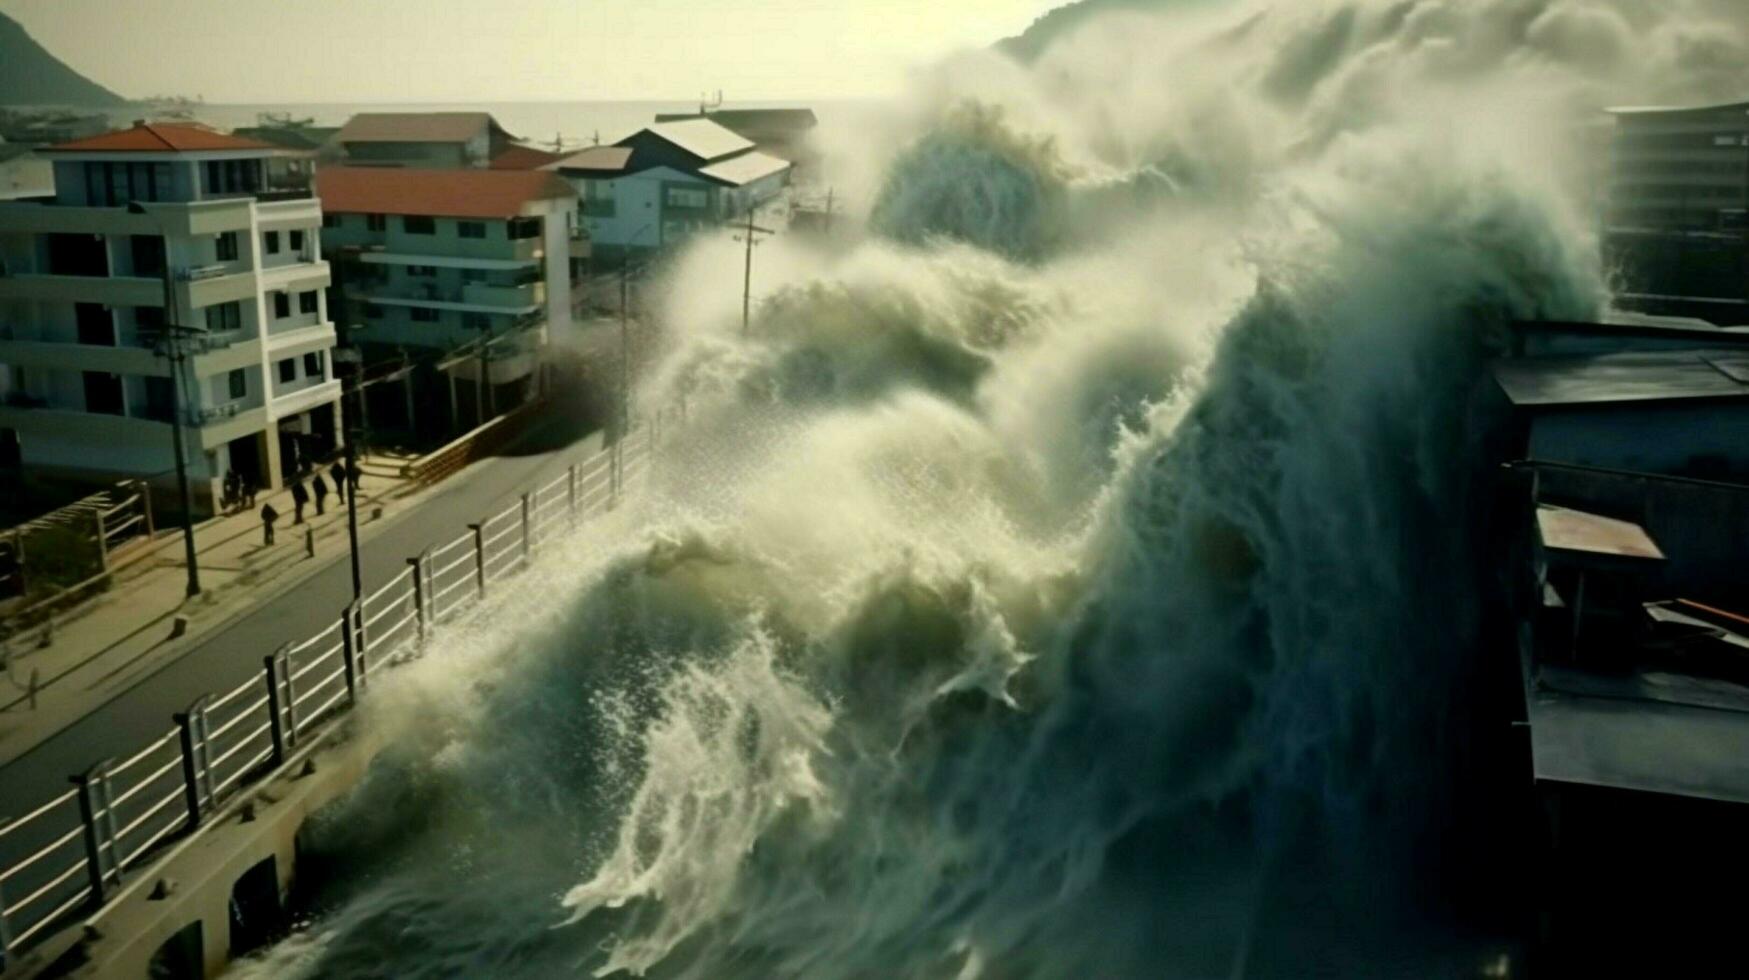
{"type": "Point", "coordinates": [160, 138]}
{"type": "Point", "coordinates": [524, 158]}
{"type": "Point", "coordinates": [438, 193]}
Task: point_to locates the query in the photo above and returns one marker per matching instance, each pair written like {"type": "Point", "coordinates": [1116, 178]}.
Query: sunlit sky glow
{"type": "Point", "coordinates": [508, 50]}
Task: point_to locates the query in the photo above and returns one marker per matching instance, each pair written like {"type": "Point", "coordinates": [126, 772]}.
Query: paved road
{"type": "Point", "coordinates": [234, 653]}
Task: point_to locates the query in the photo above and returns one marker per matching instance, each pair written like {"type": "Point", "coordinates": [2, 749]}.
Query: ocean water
{"type": "Point", "coordinates": [1075, 569]}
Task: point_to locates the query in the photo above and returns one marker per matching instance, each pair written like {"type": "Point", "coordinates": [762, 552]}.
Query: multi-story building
{"type": "Point", "coordinates": [666, 182]}
{"type": "Point", "coordinates": [1678, 209]}
{"type": "Point", "coordinates": [427, 140]}
{"type": "Point", "coordinates": [785, 133]}
{"type": "Point", "coordinates": [465, 272]}
{"type": "Point", "coordinates": [85, 391]}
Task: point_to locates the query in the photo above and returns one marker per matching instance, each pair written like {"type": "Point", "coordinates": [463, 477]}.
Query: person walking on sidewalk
{"type": "Point", "coordinates": [337, 473]}
{"type": "Point", "coordinates": [320, 486]}
{"type": "Point", "coordinates": [268, 516]}
{"type": "Point", "coordinates": [300, 497]}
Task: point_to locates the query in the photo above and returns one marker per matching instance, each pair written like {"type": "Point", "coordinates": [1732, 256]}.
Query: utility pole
{"type": "Point", "coordinates": [483, 394]}
{"type": "Point", "coordinates": [175, 356]}
{"type": "Point", "coordinates": [752, 231]}
{"type": "Point", "coordinates": [353, 431]}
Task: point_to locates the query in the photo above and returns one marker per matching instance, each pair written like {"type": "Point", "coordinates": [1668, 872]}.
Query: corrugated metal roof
{"type": "Point", "coordinates": [745, 169]}
{"type": "Point", "coordinates": [438, 193]}
{"type": "Point", "coordinates": [595, 159]}
{"type": "Point", "coordinates": [1639, 376]}
{"type": "Point", "coordinates": [159, 138]}
{"type": "Point", "coordinates": [701, 138]}
{"type": "Point", "coordinates": [416, 127]}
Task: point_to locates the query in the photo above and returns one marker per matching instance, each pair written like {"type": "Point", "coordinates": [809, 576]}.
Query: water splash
{"type": "Point", "coordinates": [1075, 577]}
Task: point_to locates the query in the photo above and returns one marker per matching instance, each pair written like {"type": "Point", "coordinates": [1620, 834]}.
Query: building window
{"type": "Point", "coordinates": [272, 240]}
{"type": "Point", "coordinates": [418, 225]}
{"type": "Point", "coordinates": [330, 221]}
{"type": "Point", "coordinates": [471, 229]}
{"type": "Point", "coordinates": [313, 365]}
{"type": "Point", "coordinates": [103, 393]}
{"type": "Point", "coordinates": [473, 275]}
{"type": "Point", "coordinates": [225, 247]}
{"type": "Point", "coordinates": [148, 252]}
{"type": "Point", "coordinates": [307, 302]}
{"type": "Point", "coordinates": [373, 311]}
{"type": "Point", "coordinates": [376, 222]}
{"type": "Point", "coordinates": [297, 240]}
{"type": "Point", "coordinates": [224, 317]}
{"type": "Point", "coordinates": [288, 371]}
{"type": "Point", "coordinates": [597, 199]}
{"type": "Point", "coordinates": [281, 306]}
{"type": "Point", "coordinates": [692, 198]}
{"type": "Point", "coordinates": [422, 271]}
{"type": "Point", "coordinates": [233, 176]}
{"type": "Point", "coordinates": [239, 384]}
{"type": "Point", "coordinates": [149, 320]}
{"type": "Point", "coordinates": [95, 324]}
{"type": "Point", "coordinates": [476, 321]}
{"type": "Point", "coordinates": [520, 228]}
{"type": "Point", "coordinates": [423, 314]}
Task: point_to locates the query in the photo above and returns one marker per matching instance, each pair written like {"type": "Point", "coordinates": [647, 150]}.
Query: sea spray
{"type": "Point", "coordinates": [1088, 603]}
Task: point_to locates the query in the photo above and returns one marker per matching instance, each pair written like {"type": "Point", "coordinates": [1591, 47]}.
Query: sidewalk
{"type": "Point", "coordinates": [145, 619]}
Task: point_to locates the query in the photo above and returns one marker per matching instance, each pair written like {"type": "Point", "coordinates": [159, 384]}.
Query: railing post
{"type": "Point", "coordinates": [146, 505]}
{"type": "Point", "coordinates": [192, 727]}
{"type": "Point", "coordinates": [479, 557]}
{"type": "Point", "coordinates": [360, 653]}
{"type": "Point", "coordinates": [571, 491]}
{"type": "Point", "coordinates": [275, 710]}
{"type": "Point", "coordinates": [527, 530]}
{"type": "Point", "coordinates": [98, 828]}
{"type": "Point", "coordinates": [102, 539]}
{"type": "Point", "coordinates": [419, 592]}
{"type": "Point", "coordinates": [347, 658]}
{"type": "Point", "coordinates": [5, 926]}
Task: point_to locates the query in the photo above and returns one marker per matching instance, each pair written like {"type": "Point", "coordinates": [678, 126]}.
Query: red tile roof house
{"type": "Point", "coordinates": [446, 265]}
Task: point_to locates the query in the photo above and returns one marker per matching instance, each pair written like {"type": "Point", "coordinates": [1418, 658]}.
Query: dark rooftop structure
{"type": "Point", "coordinates": [1638, 376]}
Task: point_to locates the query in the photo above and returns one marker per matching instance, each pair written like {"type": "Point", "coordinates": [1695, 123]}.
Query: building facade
{"type": "Point", "coordinates": [667, 182]}
{"type": "Point", "coordinates": [425, 140]}
{"type": "Point", "coordinates": [86, 394]}
{"type": "Point", "coordinates": [466, 273]}
{"type": "Point", "coordinates": [1677, 213]}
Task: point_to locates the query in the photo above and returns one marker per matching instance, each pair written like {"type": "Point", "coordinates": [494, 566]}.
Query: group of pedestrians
{"type": "Point", "coordinates": [343, 478]}
{"type": "Point", "coordinates": [239, 492]}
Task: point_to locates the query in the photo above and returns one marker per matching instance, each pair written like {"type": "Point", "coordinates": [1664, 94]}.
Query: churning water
{"type": "Point", "coordinates": [1072, 572]}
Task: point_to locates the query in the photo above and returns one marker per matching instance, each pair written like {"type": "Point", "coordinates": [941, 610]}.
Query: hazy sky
{"type": "Point", "coordinates": [505, 50]}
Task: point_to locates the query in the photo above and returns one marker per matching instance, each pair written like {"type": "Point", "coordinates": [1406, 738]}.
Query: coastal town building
{"type": "Point", "coordinates": [667, 182]}
{"type": "Point", "coordinates": [1678, 209]}
{"type": "Point", "coordinates": [23, 173]}
{"type": "Point", "coordinates": [86, 394]}
{"type": "Point", "coordinates": [782, 133]}
{"type": "Point", "coordinates": [427, 140]}
{"type": "Point", "coordinates": [466, 273]}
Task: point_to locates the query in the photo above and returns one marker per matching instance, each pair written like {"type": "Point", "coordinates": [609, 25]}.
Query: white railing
{"type": "Point", "coordinates": [70, 853]}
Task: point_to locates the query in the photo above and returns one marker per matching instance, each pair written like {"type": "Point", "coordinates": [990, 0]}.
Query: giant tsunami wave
{"type": "Point", "coordinates": [1070, 574]}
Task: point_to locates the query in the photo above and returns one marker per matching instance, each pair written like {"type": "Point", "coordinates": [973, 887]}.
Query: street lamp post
{"type": "Point", "coordinates": [353, 431]}
{"type": "Point", "coordinates": [175, 356]}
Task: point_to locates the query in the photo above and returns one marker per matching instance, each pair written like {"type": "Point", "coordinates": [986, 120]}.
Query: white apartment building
{"type": "Point", "coordinates": [468, 272]}
{"type": "Point", "coordinates": [85, 391]}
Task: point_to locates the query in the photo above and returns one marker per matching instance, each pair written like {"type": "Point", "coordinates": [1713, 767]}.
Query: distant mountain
{"type": "Point", "coordinates": [29, 75]}
{"type": "Point", "coordinates": [1063, 20]}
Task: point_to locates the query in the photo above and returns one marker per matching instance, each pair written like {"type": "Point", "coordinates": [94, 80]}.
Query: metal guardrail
{"type": "Point", "coordinates": [71, 853]}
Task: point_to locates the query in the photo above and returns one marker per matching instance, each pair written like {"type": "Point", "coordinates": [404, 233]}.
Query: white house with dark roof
{"type": "Point", "coordinates": [667, 182]}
